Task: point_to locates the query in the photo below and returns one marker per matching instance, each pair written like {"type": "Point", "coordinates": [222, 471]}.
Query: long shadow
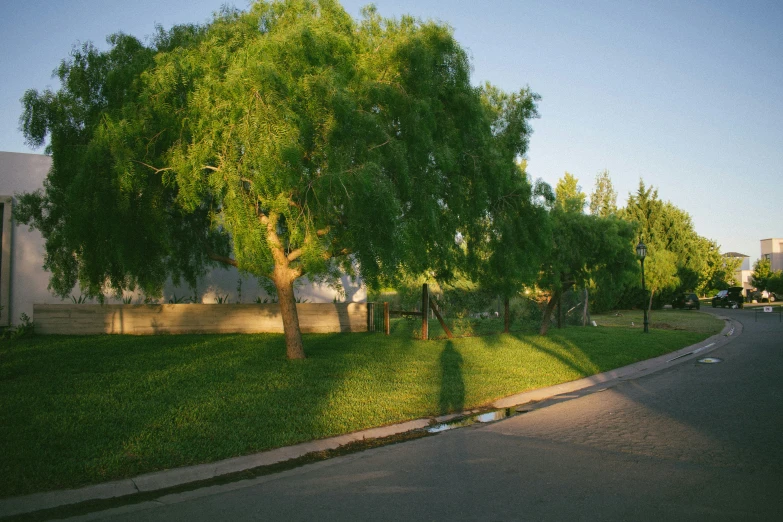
{"type": "Point", "coordinates": [452, 385]}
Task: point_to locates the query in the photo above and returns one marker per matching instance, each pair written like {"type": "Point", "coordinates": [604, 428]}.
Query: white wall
{"type": "Point", "coordinates": [773, 250]}
{"type": "Point", "coordinates": [29, 282]}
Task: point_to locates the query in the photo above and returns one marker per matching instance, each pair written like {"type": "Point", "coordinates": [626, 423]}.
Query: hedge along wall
{"type": "Point", "coordinates": [75, 319]}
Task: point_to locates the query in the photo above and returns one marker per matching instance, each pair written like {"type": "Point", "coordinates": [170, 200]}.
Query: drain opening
{"type": "Point", "coordinates": [479, 418]}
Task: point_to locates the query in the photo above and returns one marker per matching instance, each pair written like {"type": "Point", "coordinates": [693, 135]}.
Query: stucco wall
{"type": "Point", "coordinates": [773, 250]}
{"type": "Point", "coordinates": [28, 280]}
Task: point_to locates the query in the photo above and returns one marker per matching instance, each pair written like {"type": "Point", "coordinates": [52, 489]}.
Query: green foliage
{"type": "Point", "coordinates": [678, 259]}
{"type": "Point", "coordinates": [179, 299]}
{"type": "Point", "coordinates": [82, 299]}
{"type": "Point", "coordinates": [287, 140]}
{"type": "Point", "coordinates": [517, 236]}
{"type": "Point", "coordinates": [587, 248]}
{"type": "Point", "coordinates": [603, 200]}
{"type": "Point", "coordinates": [222, 299]}
{"type": "Point", "coordinates": [719, 270]}
{"type": "Point", "coordinates": [25, 328]}
{"type": "Point", "coordinates": [588, 251]}
{"type": "Point", "coordinates": [761, 273]}
{"type": "Point", "coordinates": [775, 282]}
{"type": "Point", "coordinates": [568, 194]}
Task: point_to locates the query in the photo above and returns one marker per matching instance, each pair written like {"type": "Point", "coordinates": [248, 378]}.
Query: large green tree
{"type": "Point", "coordinates": [287, 141]}
{"type": "Point", "coordinates": [517, 238]}
{"type": "Point", "coordinates": [585, 248]}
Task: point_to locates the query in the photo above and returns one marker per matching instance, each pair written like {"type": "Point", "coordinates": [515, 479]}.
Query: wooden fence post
{"type": "Point", "coordinates": [386, 325]}
{"type": "Point", "coordinates": [433, 305]}
{"type": "Point", "coordinates": [425, 308]}
{"type": "Point", "coordinates": [506, 315]}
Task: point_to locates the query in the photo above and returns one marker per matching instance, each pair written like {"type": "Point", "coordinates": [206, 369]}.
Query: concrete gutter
{"type": "Point", "coordinates": [180, 476]}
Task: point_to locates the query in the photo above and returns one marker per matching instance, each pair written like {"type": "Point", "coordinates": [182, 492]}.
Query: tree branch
{"type": "Point", "coordinates": [220, 259]}
{"type": "Point", "coordinates": [379, 145]}
{"type": "Point", "coordinates": [157, 170]}
{"type": "Point", "coordinates": [294, 255]}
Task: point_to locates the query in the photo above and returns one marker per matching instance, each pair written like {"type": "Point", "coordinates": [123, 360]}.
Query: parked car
{"type": "Point", "coordinates": [689, 301]}
{"type": "Point", "coordinates": [731, 298]}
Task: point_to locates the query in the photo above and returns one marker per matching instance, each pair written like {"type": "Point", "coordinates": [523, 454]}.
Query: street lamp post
{"type": "Point", "coordinates": [641, 252]}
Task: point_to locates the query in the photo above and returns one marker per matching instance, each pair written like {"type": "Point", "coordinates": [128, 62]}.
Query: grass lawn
{"type": "Point", "coordinates": [82, 410]}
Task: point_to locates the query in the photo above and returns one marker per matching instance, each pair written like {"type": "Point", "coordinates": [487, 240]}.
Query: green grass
{"type": "Point", "coordinates": [82, 410]}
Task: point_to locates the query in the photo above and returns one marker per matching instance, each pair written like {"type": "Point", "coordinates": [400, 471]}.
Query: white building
{"type": "Point", "coordinates": [772, 249]}
{"type": "Point", "coordinates": [23, 281]}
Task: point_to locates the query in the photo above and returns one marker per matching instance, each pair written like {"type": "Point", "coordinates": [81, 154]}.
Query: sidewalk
{"type": "Point", "coordinates": [166, 479]}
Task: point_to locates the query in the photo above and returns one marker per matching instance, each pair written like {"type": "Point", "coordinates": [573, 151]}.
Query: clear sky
{"type": "Point", "coordinates": [687, 95]}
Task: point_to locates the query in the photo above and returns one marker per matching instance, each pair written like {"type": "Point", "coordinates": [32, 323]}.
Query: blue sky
{"type": "Point", "coordinates": [687, 95]}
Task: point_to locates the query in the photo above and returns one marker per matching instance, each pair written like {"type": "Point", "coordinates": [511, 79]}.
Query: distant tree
{"type": "Point", "coordinates": [761, 274]}
{"type": "Point", "coordinates": [585, 247]}
{"type": "Point", "coordinates": [569, 195]}
{"type": "Point", "coordinates": [287, 141]}
{"type": "Point", "coordinates": [719, 270]}
{"type": "Point", "coordinates": [775, 282]}
{"type": "Point", "coordinates": [603, 200]}
{"type": "Point", "coordinates": [677, 255]}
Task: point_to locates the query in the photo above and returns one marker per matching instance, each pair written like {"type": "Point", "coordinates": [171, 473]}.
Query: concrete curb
{"type": "Point", "coordinates": [179, 476]}
{"type": "Point", "coordinates": [632, 371]}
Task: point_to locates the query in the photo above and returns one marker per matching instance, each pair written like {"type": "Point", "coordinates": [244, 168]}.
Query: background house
{"type": "Point", "coordinates": [772, 249]}
{"type": "Point", "coordinates": [744, 272]}
{"type": "Point", "coordinates": [23, 281]}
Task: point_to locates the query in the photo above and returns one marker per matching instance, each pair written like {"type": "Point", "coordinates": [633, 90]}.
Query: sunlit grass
{"type": "Point", "coordinates": [80, 410]}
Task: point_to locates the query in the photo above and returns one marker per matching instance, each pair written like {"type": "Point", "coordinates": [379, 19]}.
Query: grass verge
{"type": "Point", "coordinates": [82, 410]}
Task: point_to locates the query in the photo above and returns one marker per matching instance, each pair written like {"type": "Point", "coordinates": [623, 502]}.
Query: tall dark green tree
{"type": "Point", "coordinates": [287, 141]}
{"type": "Point", "coordinates": [673, 256]}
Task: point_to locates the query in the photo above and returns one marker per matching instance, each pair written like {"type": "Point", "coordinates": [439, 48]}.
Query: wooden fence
{"type": "Point", "coordinates": [81, 319]}
{"type": "Point", "coordinates": [427, 303]}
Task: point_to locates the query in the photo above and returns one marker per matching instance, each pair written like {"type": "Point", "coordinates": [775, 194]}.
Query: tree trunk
{"type": "Point", "coordinates": [559, 313]}
{"type": "Point", "coordinates": [586, 311]}
{"type": "Point", "coordinates": [294, 349]}
{"type": "Point", "coordinates": [506, 316]}
{"type": "Point", "coordinates": [550, 306]}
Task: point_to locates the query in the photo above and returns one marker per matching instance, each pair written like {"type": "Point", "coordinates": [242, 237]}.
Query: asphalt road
{"type": "Point", "coordinates": [694, 442]}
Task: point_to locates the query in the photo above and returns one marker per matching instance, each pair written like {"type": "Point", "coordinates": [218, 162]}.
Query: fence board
{"type": "Point", "coordinates": [74, 319]}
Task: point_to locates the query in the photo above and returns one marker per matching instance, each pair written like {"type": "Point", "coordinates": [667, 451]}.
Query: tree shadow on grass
{"type": "Point", "coordinates": [452, 385]}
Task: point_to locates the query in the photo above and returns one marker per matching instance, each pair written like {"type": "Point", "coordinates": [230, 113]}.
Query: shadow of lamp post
{"type": "Point", "coordinates": [641, 252]}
